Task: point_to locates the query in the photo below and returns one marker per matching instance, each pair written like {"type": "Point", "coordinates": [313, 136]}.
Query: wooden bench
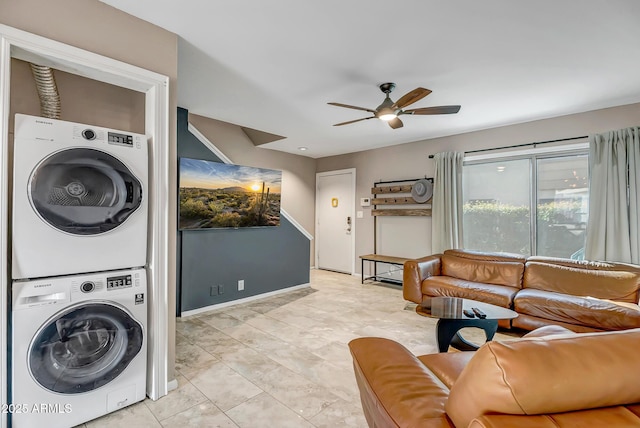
{"type": "Point", "coordinates": [379, 258]}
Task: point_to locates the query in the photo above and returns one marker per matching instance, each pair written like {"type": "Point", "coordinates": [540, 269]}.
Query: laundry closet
{"type": "Point", "coordinates": [79, 224]}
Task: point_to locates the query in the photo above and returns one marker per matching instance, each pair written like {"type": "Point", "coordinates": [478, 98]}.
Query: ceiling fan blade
{"type": "Point", "coordinates": [395, 123]}
{"type": "Point", "coordinates": [416, 95]}
{"type": "Point", "coordinates": [354, 121]}
{"type": "Point", "coordinates": [353, 107]}
{"type": "Point", "coordinates": [434, 110]}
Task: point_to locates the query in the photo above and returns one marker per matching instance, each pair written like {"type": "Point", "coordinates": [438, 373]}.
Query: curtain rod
{"type": "Point", "coordinates": [523, 145]}
{"type": "Point", "coordinates": [401, 181]}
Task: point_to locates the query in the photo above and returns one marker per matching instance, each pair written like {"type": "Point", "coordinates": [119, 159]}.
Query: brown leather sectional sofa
{"type": "Point", "coordinates": [552, 378]}
{"type": "Point", "coordinates": [582, 296]}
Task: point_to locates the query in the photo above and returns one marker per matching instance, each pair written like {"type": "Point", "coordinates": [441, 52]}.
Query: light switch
{"type": "Point", "coordinates": [359, 214]}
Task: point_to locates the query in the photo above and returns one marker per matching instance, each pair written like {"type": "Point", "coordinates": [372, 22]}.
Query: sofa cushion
{"type": "Point", "coordinates": [489, 272]}
{"type": "Point", "coordinates": [587, 264]}
{"type": "Point", "coordinates": [529, 322]}
{"type": "Point", "coordinates": [548, 330]}
{"type": "Point", "coordinates": [635, 409]}
{"type": "Point", "coordinates": [486, 256]}
{"type": "Point", "coordinates": [555, 374]}
{"type": "Point", "coordinates": [596, 313]}
{"type": "Point", "coordinates": [447, 366]}
{"type": "Point", "coordinates": [618, 416]}
{"type": "Point", "coordinates": [604, 284]}
{"type": "Point", "coordinates": [498, 295]}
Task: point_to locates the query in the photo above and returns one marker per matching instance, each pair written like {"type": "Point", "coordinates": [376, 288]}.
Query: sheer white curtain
{"type": "Point", "coordinates": [614, 207]}
{"type": "Point", "coordinates": [446, 206]}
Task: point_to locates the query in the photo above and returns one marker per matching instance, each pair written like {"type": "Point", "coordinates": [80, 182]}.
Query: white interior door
{"type": "Point", "coordinates": [335, 206]}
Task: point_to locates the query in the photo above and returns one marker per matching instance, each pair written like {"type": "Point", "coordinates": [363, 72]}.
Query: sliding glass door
{"type": "Point", "coordinates": [532, 205]}
{"type": "Point", "coordinates": [497, 206]}
{"type": "Point", "coordinates": [562, 204]}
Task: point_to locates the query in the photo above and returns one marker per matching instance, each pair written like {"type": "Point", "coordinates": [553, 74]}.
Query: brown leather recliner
{"type": "Point", "coordinates": [561, 380]}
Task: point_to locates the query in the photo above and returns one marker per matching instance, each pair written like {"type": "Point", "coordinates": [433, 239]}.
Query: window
{"type": "Point", "coordinates": [532, 205]}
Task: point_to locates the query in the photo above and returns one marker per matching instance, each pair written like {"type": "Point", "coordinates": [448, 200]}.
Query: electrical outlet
{"type": "Point", "coordinates": [213, 291]}
{"type": "Point", "coordinates": [240, 284]}
{"type": "Point", "coordinates": [220, 289]}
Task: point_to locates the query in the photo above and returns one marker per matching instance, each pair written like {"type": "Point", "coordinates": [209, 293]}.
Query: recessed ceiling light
{"type": "Point", "coordinates": [302, 149]}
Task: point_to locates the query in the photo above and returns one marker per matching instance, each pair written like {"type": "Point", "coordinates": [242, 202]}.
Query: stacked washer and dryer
{"type": "Point", "coordinates": [79, 290]}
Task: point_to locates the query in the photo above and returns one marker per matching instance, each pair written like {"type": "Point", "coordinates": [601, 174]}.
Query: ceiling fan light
{"type": "Point", "coordinates": [387, 114]}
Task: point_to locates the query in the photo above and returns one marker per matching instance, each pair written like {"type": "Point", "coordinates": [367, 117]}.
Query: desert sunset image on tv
{"type": "Point", "coordinates": [218, 195]}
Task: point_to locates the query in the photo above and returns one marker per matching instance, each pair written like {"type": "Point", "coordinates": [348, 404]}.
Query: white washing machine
{"type": "Point", "coordinates": [78, 347]}
{"type": "Point", "coordinates": [79, 198]}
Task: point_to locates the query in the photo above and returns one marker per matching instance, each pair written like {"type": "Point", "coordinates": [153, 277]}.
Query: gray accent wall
{"type": "Point", "coordinates": [266, 258]}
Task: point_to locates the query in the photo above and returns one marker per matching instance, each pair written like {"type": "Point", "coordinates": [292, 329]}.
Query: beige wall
{"type": "Point", "coordinates": [96, 27]}
{"type": "Point", "coordinates": [411, 160]}
{"type": "Point", "coordinates": [298, 172]}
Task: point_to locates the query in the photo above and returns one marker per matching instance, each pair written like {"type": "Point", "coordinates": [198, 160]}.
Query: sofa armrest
{"type": "Point", "coordinates": [416, 271]}
{"type": "Point", "coordinates": [396, 389]}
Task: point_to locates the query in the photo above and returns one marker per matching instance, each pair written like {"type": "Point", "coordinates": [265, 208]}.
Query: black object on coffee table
{"type": "Point", "coordinates": [454, 314]}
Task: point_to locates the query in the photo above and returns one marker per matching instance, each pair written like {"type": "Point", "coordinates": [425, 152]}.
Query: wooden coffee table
{"type": "Point", "coordinates": [451, 318]}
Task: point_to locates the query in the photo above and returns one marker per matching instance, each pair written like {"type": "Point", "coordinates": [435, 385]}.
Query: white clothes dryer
{"type": "Point", "coordinates": [78, 347]}
{"type": "Point", "coordinates": [79, 198]}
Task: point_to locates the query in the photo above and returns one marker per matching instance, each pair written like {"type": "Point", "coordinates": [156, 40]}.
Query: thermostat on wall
{"type": "Point", "coordinates": [365, 202]}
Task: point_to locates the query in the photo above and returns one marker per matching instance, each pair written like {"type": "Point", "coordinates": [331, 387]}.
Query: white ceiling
{"type": "Point", "coordinates": [274, 65]}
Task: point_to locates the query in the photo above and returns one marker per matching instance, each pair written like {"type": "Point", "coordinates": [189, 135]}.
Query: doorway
{"type": "Point", "coordinates": [335, 220]}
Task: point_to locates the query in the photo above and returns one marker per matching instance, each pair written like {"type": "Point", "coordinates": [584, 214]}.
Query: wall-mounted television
{"type": "Point", "coordinates": [219, 195]}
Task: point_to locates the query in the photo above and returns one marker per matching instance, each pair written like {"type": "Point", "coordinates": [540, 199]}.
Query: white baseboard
{"type": "Point", "coordinates": [245, 300]}
{"type": "Point", "coordinates": [173, 384]}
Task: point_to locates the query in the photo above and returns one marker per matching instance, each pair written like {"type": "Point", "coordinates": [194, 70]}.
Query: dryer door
{"type": "Point", "coordinates": [84, 347]}
{"type": "Point", "coordinates": [83, 191]}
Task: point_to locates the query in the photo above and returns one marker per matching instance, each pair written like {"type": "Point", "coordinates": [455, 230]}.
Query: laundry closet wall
{"type": "Point", "coordinates": [83, 100]}
{"type": "Point", "coordinates": [99, 28]}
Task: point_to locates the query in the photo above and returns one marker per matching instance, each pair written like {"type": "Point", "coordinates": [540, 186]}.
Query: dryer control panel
{"type": "Point", "coordinates": [122, 281]}
{"type": "Point", "coordinates": [122, 139]}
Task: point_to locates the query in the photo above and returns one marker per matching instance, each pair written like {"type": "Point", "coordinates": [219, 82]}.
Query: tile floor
{"type": "Point", "coordinates": [281, 361]}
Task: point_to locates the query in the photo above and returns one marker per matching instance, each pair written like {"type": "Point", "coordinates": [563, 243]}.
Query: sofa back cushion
{"type": "Point", "coordinates": [599, 280]}
{"type": "Point", "coordinates": [488, 268]}
{"type": "Point", "coordinates": [486, 256]}
{"type": "Point", "coordinates": [560, 373]}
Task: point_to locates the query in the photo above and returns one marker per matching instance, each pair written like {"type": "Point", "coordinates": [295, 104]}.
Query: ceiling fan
{"type": "Point", "coordinates": [389, 110]}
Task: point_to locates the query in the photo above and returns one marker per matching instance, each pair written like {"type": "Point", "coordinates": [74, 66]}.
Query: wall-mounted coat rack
{"type": "Point", "coordinates": [397, 199]}
{"type": "Point", "coordinates": [402, 201]}
{"type": "Point", "coordinates": [401, 196]}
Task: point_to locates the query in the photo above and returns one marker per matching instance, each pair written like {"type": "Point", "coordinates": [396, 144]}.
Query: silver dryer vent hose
{"type": "Point", "coordinates": [47, 91]}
